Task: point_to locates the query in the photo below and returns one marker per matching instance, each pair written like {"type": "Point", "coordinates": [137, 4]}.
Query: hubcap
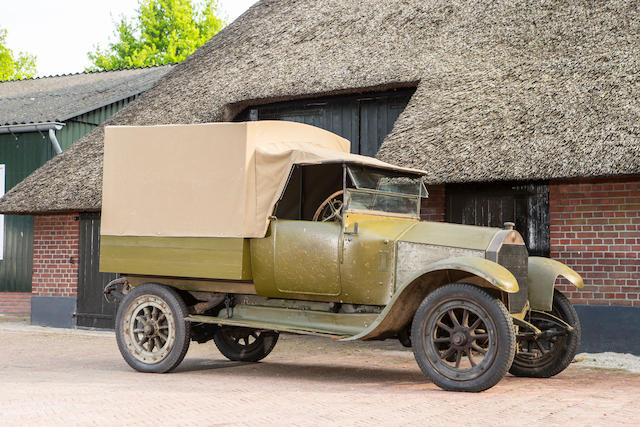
{"type": "Point", "coordinates": [460, 340]}
{"type": "Point", "coordinates": [149, 329]}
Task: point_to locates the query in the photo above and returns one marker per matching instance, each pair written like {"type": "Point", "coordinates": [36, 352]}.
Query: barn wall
{"type": "Point", "coordinates": [595, 229]}
{"type": "Point", "coordinates": [15, 303]}
{"type": "Point", "coordinates": [77, 127]}
{"type": "Point", "coordinates": [433, 208]}
{"type": "Point", "coordinates": [21, 154]}
{"type": "Point", "coordinates": [55, 269]}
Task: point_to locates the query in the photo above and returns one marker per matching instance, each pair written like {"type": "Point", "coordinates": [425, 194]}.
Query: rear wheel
{"type": "Point", "coordinates": [551, 352]}
{"type": "Point", "coordinates": [244, 344]}
{"type": "Point", "coordinates": [151, 332]}
{"type": "Point", "coordinates": [463, 338]}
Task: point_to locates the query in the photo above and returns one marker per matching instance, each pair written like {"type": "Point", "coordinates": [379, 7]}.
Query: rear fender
{"type": "Point", "coordinates": [409, 295]}
{"type": "Point", "coordinates": [543, 273]}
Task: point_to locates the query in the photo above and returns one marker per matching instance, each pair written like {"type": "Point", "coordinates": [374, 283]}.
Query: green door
{"type": "Point", "coordinates": [20, 154]}
{"type": "Point", "coordinates": [306, 257]}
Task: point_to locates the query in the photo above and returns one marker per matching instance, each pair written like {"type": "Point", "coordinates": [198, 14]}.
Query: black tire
{"type": "Point", "coordinates": [558, 351]}
{"type": "Point", "coordinates": [257, 344]}
{"type": "Point", "coordinates": [469, 350]}
{"type": "Point", "coordinates": [160, 342]}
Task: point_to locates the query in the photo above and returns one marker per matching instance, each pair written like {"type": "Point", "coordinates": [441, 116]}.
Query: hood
{"type": "Point", "coordinates": [452, 235]}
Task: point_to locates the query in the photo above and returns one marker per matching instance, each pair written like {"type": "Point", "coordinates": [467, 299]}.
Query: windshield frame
{"type": "Point", "coordinates": [422, 192]}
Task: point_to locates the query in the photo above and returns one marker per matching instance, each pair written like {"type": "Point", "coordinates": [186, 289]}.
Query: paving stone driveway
{"type": "Point", "coordinates": [79, 378]}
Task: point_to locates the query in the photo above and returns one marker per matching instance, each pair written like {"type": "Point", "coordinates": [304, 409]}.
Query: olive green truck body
{"type": "Point", "coordinates": [317, 261]}
{"type": "Point", "coordinates": [239, 229]}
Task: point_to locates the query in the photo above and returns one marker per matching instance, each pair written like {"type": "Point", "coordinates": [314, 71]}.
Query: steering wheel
{"type": "Point", "coordinates": [330, 209]}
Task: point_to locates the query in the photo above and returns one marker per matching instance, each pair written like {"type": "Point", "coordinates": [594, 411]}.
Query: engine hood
{"type": "Point", "coordinates": [431, 233]}
{"type": "Point", "coordinates": [451, 235]}
{"type": "Point", "coordinates": [423, 232]}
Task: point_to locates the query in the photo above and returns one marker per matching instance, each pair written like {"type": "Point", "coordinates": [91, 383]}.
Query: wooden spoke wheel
{"type": "Point", "coordinates": [551, 352]}
{"type": "Point", "coordinates": [151, 331]}
{"type": "Point", "coordinates": [463, 338]}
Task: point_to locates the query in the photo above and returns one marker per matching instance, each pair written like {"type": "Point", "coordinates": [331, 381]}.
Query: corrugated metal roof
{"type": "Point", "coordinates": [59, 98]}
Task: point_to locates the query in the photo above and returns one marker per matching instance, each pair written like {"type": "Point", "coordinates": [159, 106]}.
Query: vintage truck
{"type": "Point", "coordinates": [235, 232]}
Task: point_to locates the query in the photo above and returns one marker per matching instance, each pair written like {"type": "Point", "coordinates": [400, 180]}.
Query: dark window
{"type": "Point", "coordinates": [525, 204]}
{"type": "Point", "coordinates": [307, 188]}
{"type": "Point", "coordinates": [364, 119]}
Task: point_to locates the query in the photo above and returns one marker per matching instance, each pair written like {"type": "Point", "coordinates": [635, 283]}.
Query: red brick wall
{"type": "Point", "coordinates": [432, 209]}
{"type": "Point", "coordinates": [15, 303]}
{"type": "Point", "coordinates": [55, 255]}
{"type": "Point", "coordinates": [595, 229]}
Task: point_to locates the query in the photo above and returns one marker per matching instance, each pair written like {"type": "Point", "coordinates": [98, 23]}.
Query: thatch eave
{"type": "Point", "coordinates": [506, 91]}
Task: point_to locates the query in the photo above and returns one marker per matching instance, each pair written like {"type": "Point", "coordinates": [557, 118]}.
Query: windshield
{"type": "Point", "coordinates": [384, 191]}
{"type": "Point", "coordinates": [387, 181]}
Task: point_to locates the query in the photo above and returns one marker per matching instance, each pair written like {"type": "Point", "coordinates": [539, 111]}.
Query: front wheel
{"type": "Point", "coordinates": [151, 332]}
{"type": "Point", "coordinates": [551, 352]}
{"type": "Point", "coordinates": [463, 338]}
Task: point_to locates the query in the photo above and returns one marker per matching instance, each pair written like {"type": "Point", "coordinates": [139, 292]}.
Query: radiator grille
{"type": "Point", "coordinates": [515, 259]}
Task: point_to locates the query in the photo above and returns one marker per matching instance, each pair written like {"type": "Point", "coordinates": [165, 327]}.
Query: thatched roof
{"type": "Point", "coordinates": [58, 98]}
{"type": "Point", "coordinates": [505, 90]}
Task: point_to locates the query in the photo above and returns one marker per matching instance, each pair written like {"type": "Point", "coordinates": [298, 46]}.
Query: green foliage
{"type": "Point", "coordinates": [22, 66]}
{"type": "Point", "coordinates": [165, 31]}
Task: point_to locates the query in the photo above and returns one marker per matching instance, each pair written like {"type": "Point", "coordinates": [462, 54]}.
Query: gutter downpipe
{"type": "Point", "coordinates": [54, 140]}
{"type": "Point", "coordinates": [36, 127]}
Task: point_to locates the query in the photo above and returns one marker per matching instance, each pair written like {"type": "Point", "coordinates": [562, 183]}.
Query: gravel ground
{"type": "Point", "coordinates": [609, 360]}
{"type": "Point", "coordinates": [69, 377]}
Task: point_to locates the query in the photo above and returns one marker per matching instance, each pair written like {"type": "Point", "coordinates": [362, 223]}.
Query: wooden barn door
{"type": "Point", "coordinates": [526, 205]}
{"type": "Point", "coordinates": [93, 310]}
{"type": "Point", "coordinates": [364, 119]}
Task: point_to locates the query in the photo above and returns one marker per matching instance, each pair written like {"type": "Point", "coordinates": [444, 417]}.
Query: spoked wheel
{"type": "Point", "coordinates": [151, 331]}
{"type": "Point", "coordinates": [552, 351]}
{"type": "Point", "coordinates": [331, 208]}
{"type": "Point", "coordinates": [463, 338]}
{"type": "Point", "coordinates": [244, 344]}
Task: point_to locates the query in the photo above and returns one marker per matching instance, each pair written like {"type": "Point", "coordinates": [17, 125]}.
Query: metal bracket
{"type": "Point", "coordinates": [228, 301]}
{"type": "Point", "coordinates": [115, 290]}
{"type": "Point", "coordinates": [354, 232]}
{"type": "Point", "coordinates": [527, 325]}
{"type": "Point", "coordinates": [554, 319]}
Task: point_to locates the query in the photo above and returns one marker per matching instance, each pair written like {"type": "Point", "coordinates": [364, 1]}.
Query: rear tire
{"type": "Point", "coordinates": [151, 332]}
{"type": "Point", "coordinates": [553, 355]}
{"type": "Point", "coordinates": [463, 338]}
{"type": "Point", "coordinates": [244, 344]}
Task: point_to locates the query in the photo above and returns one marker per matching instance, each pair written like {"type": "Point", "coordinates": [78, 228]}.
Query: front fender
{"type": "Point", "coordinates": [410, 294]}
{"type": "Point", "coordinates": [543, 273]}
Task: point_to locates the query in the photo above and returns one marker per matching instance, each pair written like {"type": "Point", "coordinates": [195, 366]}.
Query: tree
{"type": "Point", "coordinates": [164, 31]}
{"type": "Point", "coordinates": [22, 66]}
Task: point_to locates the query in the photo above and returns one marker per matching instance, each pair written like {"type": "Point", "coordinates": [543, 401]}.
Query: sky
{"type": "Point", "coordinates": [61, 32]}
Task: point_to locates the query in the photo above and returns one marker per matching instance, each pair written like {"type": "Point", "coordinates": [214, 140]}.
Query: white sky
{"type": "Point", "coordinates": [61, 32]}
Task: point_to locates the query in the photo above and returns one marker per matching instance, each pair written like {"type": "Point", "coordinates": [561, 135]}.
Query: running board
{"type": "Point", "coordinates": [338, 325]}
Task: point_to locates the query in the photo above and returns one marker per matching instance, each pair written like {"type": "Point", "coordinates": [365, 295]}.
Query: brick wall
{"type": "Point", "coordinates": [55, 255]}
{"type": "Point", "coordinates": [595, 229]}
{"type": "Point", "coordinates": [432, 209]}
{"type": "Point", "coordinates": [15, 303]}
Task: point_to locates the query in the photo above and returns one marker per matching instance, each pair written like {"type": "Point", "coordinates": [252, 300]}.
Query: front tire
{"type": "Point", "coordinates": [244, 344]}
{"type": "Point", "coordinates": [151, 332]}
{"type": "Point", "coordinates": [463, 338]}
{"type": "Point", "coordinates": [546, 357]}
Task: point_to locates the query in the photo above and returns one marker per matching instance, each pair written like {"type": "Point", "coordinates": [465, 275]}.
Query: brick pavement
{"type": "Point", "coordinates": [54, 377]}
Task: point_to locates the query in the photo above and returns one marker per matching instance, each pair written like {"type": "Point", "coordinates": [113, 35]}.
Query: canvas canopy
{"type": "Point", "coordinates": [208, 180]}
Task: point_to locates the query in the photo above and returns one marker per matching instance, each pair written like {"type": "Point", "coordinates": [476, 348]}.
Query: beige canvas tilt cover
{"type": "Point", "coordinates": [207, 180]}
